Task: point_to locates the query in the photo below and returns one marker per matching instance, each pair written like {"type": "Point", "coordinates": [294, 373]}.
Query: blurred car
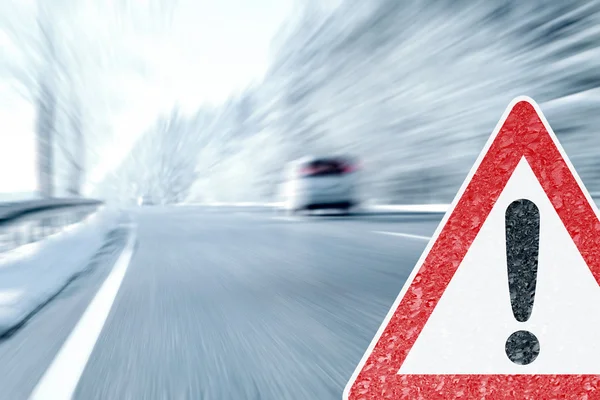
{"type": "Point", "coordinates": [145, 201]}
{"type": "Point", "coordinates": [314, 183]}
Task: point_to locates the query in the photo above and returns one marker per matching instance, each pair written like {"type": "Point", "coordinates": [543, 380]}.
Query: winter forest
{"type": "Point", "coordinates": [413, 89]}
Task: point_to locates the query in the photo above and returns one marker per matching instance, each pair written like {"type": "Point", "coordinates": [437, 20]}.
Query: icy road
{"type": "Point", "coordinates": [219, 303]}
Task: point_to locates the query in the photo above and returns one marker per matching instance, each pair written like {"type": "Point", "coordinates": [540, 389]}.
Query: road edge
{"type": "Point", "coordinates": [61, 378]}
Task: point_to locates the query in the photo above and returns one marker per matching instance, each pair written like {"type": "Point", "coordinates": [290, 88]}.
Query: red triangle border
{"type": "Point", "coordinates": [522, 132]}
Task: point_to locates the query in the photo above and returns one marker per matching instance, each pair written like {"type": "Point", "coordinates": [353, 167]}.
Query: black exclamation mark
{"type": "Point", "coordinates": [522, 248]}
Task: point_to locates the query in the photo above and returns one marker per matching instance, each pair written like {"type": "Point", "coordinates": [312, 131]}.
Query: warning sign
{"type": "Point", "coordinates": [505, 300]}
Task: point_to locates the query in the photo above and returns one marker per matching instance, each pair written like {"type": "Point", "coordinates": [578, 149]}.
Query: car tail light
{"type": "Point", "coordinates": [349, 168]}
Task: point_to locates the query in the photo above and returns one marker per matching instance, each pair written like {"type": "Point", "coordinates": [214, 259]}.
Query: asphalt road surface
{"type": "Point", "coordinates": [224, 304]}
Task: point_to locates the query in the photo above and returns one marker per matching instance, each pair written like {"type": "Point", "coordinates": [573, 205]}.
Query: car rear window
{"type": "Point", "coordinates": [323, 167]}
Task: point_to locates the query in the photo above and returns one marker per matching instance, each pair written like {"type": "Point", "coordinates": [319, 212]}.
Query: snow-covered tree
{"type": "Point", "coordinates": [413, 89]}
{"type": "Point", "coordinates": [65, 58]}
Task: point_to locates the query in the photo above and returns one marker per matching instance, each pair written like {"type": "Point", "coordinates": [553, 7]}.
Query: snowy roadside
{"type": "Point", "coordinates": [31, 274]}
{"type": "Point", "coordinates": [400, 208]}
{"type": "Point", "coordinates": [411, 208]}
{"type": "Point", "coordinates": [368, 207]}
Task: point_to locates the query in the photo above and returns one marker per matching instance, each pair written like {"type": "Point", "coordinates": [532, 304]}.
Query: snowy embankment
{"type": "Point", "coordinates": [369, 208]}
{"type": "Point", "coordinates": [31, 274]}
{"type": "Point", "coordinates": [410, 208]}
{"type": "Point", "coordinates": [400, 208]}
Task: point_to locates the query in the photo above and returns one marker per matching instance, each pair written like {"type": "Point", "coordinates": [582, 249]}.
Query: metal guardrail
{"type": "Point", "coordinates": [32, 220]}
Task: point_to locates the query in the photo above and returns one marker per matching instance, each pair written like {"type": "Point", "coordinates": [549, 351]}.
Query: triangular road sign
{"type": "Point", "coordinates": [504, 303]}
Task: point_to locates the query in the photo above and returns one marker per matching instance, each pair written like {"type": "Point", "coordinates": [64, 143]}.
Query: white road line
{"type": "Point", "coordinates": [61, 379]}
{"type": "Point", "coordinates": [407, 235]}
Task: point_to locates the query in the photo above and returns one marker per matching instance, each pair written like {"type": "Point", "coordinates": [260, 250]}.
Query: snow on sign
{"type": "Point", "coordinates": [505, 301]}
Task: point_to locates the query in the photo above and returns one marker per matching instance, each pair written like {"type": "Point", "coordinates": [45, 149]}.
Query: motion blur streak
{"type": "Point", "coordinates": [413, 88]}
{"type": "Point", "coordinates": [156, 103]}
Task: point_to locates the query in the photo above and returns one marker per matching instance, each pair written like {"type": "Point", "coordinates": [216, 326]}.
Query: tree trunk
{"type": "Point", "coordinates": [46, 112]}
{"type": "Point", "coordinates": [77, 169]}
{"type": "Point", "coordinates": [46, 105]}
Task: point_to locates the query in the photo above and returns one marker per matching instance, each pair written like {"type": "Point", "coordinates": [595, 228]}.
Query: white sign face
{"type": "Point", "coordinates": [505, 297]}
{"type": "Point", "coordinates": [467, 331]}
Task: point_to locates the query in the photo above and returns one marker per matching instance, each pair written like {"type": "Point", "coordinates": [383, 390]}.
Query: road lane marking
{"type": "Point", "coordinates": [60, 380]}
{"type": "Point", "coordinates": [407, 235]}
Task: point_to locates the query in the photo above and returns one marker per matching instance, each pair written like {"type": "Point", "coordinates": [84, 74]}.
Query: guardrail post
{"type": "Point", "coordinates": [4, 240]}
{"type": "Point", "coordinates": [17, 237]}
{"type": "Point", "coordinates": [30, 233]}
{"type": "Point", "coordinates": [33, 220]}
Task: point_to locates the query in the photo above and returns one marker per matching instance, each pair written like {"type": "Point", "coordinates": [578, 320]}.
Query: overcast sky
{"type": "Point", "coordinates": [214, 48]}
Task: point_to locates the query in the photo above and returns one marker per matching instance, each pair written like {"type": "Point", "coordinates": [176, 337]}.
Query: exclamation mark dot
{"type": "Point", "coordinates": [522, 248]}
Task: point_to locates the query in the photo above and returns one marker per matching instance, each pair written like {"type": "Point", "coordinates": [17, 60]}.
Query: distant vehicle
{"type": "Point", "coordinates": [145, 201]}
{"type": "Point", "coordinates": [314, 183]}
